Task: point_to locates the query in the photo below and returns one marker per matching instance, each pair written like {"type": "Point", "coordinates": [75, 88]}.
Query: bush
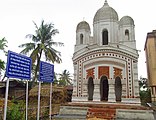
{"type": "Point", "coordinates": [14, 113]}
{"type": "Point", "coordinates": [145, 97]}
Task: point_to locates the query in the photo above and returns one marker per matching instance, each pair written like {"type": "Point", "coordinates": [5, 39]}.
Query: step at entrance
{"type": "Point", "coordinates": [102, 113]}
{"type": "Point", "coordinates": [71, 113]}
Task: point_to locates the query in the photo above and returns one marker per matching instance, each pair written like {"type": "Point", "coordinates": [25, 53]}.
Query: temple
{"type": "Point", "coordinates": [106, 64]}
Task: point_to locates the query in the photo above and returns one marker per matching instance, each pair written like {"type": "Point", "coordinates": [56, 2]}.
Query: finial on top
{"type": "Point", "coordinates": [106, 3]}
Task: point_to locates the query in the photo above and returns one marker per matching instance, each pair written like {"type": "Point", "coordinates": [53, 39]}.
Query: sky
{"type": "Point", "coordinates": [17, 16]}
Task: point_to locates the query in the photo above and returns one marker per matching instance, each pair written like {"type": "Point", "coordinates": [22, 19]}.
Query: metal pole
{"type": "Point", "coordinates": [26, 117]}
{"type": "Point", "coordinates": [6, 99]}
{"type": "Point", "coordinates": [39, 91]}
{"type": "Point", "coordinates": [50, 107]}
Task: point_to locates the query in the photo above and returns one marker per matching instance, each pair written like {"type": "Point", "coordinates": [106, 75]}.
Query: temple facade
{"type": "Point", "coordinates": [106, 64]}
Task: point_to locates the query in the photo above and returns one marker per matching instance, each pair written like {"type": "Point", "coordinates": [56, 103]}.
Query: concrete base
{"type": "Point", "coordinates": [71, 113]}
{"type": "Point", "coordinates": [82, 110]}
{"type": "Point", "coordinates": [125, 114]}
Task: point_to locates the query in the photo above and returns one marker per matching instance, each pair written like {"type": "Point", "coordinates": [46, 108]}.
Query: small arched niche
{"type": "Point", "coordinates": [105, 37]}
{"type": "Point", "coordinates": [127, 35]}
{"type": "Point", "coordinates": [81, 38]}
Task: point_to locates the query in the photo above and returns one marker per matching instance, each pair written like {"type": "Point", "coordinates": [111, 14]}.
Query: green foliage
{"type": "Point", "coordinates": [14, 113]}
{"type": "Point", "coordinates": [145, 97]}
{"type": "Point", "coordinates": [3, 44]}
{"type": "Point", "coordinates": [62, 82]}
{"type": "Point", "coordinates": [2, 64]}
{"type": "Point", "coordinates": [65, 78]}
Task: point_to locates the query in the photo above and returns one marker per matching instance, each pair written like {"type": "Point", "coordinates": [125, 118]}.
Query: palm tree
{"type": "Point", "coordinates": [65, 78]}
{"type": "Point", "coordinates": [42, 44]}
{"type": "Point", "coordinates": [3, 44]}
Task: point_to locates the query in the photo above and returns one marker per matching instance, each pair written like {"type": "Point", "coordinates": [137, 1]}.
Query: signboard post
{"type": "Point", "coordinates": [18, 66]}
{"type": "Point", "coordinates": [39, 92]}
{"type": "Point", "coordinates": [46, 74]}
{"type": "Point", "coordinates": [26, 108]}
{"type": "Point", "coordinates": [6, 98]}
{"type": "Point", "coordinates": [50, 107]}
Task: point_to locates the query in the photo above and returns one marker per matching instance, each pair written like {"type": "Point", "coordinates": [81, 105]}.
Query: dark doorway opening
{"type": "Point", "coordinates": [90, 88]}
{"type": "Point", "coordinates": [105, 37]}
{"type": "Point", "coordinates": [104, 88]}
{"type": "Point", "coordinates": [118, 89]}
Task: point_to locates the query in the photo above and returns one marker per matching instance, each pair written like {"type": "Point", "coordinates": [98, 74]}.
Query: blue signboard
{"type": "Point", "coordinates": [46, 73]}
{"type": "Point", "coordinates": [18, 66]}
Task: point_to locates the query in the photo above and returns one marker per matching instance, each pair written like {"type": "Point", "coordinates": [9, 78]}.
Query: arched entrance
{"type": "Point", "coordinates": [90, 88]}
{"type": "Point", "coordinates": [118, 89]}
{"type": "Point", "coordinates": [104, 88]}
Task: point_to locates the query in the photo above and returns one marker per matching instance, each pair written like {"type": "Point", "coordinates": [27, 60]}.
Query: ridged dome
{"type": "Point", "coordinates": [126, 20]}
{"type": "Point", "coordinates": [83, 25]}
{"type": "Point", "coordinates": [106, 13]}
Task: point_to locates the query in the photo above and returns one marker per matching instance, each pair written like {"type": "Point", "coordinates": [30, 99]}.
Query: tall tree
{"type": "Point", "coordinates": [42, 44]}
{"type": "Point", "coordinates": [65, 78]}
{"type": "Point", "coordinates": [3, 45]}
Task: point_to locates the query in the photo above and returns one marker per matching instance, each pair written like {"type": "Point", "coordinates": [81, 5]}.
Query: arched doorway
{"type": "Point", "coordinates": [90, 88]}
{"type": "Point", "coordinates": [104, 88]}
{"type": "Point", "coordinates": [118, 89]}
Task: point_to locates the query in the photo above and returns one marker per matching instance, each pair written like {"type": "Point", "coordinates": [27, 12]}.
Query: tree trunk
{"type": "Point", "coordinates": [36, 69]}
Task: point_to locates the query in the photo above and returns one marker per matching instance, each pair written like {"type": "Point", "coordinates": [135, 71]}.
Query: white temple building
{"type": "Point", "coordinates": [105, 64]}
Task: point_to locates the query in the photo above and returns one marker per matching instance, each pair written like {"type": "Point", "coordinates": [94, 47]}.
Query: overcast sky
{"type": "Point", "coordinates": [16, 18]}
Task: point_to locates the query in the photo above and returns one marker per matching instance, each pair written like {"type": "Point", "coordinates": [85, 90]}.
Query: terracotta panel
{"type": "Point", "coordinates": [103, 71]}
{"type": "Point", "coordinates": [90, 73]}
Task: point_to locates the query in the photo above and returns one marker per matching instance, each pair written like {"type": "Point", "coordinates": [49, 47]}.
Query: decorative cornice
{"type": "Point", "coordinates": [105, 51]}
